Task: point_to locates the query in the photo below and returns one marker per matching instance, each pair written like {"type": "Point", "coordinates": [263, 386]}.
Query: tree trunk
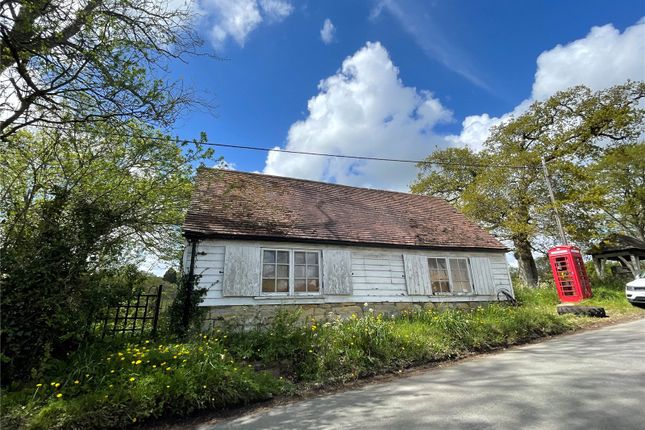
{"type": "Point", "coordinates": [525, 261]}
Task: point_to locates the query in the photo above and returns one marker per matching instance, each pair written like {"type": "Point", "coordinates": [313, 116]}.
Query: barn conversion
{"type": "Point", "coordinates": [258, 243]}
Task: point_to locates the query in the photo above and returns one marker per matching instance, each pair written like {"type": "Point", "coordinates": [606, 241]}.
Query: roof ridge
{"type": "Point", "coordinates": [318, 182]}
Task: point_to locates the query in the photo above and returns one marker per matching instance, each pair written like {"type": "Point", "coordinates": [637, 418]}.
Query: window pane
{"type": "Point", "coordinates": [283, 286]}
{"type": "Point", "coordinates": [460, 275]}
{"type": "Point", "coordinates": [269, 256]}
{"type": "Point", "coordinates": [300, 272]}
{"type": "Point", "coordinates": [299, 257]}
{"type": "Point", "coordinates": [312, 271]}
{"type": "Point", "coordinates": [312, 258]}
{"type": "Point", "coordinates": [312, 286]}
{"type": "Point", "coordinates": [301, 286]}
{"type": "Point", "coordinates": [268, 285]}
{"type": "Point", "coordinates": [432, 263]}
{"type": "Point", "coordinates": [283, 257]}
{"type": "Point", "coordinates": [268, 271]}
{"type": "Point", "coordinates": [441, 263]}
{"type": "Point", "coordinates": [283, 271]}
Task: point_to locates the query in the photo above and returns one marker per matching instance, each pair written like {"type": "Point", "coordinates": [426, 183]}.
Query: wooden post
{"type": "Point", "coordinates": [155, 319]}
{"type": "Point", "coordinates": [189, 284]}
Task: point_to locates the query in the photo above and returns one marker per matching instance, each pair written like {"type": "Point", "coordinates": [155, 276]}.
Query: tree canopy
{"type": "Point", "coordinates": [79, 61]}
{"type": "Point", "coordinates": [78, 207]}
{"type": "Point", "coordinates": [503, 186]}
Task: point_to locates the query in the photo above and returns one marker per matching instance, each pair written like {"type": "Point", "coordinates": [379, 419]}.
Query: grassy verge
{"type": "Point", "coordinates": [113, 386]}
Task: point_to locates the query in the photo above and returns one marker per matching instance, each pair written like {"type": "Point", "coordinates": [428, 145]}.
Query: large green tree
{"type": "Point", "coordinates": [78, 207]}
{"type": "Point", "coordinates": [78, 61]}
{"type": "Point", "coordinates": [503, 185]}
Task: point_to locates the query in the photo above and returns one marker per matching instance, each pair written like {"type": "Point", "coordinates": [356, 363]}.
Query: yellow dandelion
{"type": "Point", "coordinates": [154, 366]}
{"type": "Point", "coordinates": [132, 379]}
{"type": "Point", "coordinates": [39, 385]}
{"type": "Point", "coordinates": [112, 371]}
{"type": "Point", "coordinates": [168, 368]}
{"type": "Point", "coordinates": [138, 362]}
{"type": "Point", "coordinates": [57, 384]}
{"type": "Point", "coordinates": [59, 395]}
{"type": "Point", "coordinates": [77, 382]}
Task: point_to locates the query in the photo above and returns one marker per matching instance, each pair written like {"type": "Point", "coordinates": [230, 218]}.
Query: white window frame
{"type": "Point", "coordinates": [292, 277]}
{"type": "Point", "coordinates": [450, 282]}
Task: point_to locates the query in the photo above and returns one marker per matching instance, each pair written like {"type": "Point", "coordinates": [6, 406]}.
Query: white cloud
{"type": "Point", "coordinates": [237, 19]}
{"type": "Point", "coordinates": [603, 58]}
{"type": "Point", "coordinates": [429, 35]}
{"type": "Point", "coordinates": [276, 10]}
{"type": "Point", "coordinates": [363, 109]}
{"type": "Point", "coordinates": [327, 32]}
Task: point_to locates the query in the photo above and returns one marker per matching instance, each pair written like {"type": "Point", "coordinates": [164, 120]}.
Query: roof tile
{"type": "Point", "coordinates": [237, 204]}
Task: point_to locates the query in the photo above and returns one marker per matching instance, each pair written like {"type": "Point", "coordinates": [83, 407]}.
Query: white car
{"type": "Point", "coordinates": [635, 290]}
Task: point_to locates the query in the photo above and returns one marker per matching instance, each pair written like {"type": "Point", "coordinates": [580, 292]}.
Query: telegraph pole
{"type": "Point", "coordinates": [563, 237]}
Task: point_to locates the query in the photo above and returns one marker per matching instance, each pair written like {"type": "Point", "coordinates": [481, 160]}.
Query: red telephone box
{"type": "Point", "coordinates": [569, 273]}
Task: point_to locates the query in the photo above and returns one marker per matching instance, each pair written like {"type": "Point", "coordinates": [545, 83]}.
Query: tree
{"type": "Point", "coordinates": [617, 193]}
{"type": "Point", "coordinates": [75, 61]}
{"type": "Point", "coordinates": [78, 207]}
{"type": "Point", "coordinates": [503, 186]}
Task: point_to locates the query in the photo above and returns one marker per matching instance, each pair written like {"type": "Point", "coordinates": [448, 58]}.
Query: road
{"type": "Point", "coordinates": [589, 380]}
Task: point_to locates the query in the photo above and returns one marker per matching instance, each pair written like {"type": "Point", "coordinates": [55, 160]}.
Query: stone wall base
{"type": "Point", "coordinates": [249, 317]}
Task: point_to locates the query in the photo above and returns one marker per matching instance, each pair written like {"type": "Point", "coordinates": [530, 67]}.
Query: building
{"type": "Point", "coordinates": [259, 242]}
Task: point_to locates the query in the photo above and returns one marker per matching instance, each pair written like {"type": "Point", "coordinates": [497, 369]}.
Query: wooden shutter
{"type": "Point", "coordinates": [242, 266]}
{"type": "Point", "coordinates": [337, 272]}
{"type": "Point", "coordinates": [482, 276]}
{"type": "Point", "coordinates": [417, 278]}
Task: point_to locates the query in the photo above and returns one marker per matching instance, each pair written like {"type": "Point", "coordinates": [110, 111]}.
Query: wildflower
{"type": "Point", "coordinates": [204, 386]}
{"type": "Point", "coordinates": [132, 379]}
{"type": "Point", "coordinates": [313, 328]}
{"type": "Point", "coordinates": [77, 382]}
{"type": "Point", "coordinates": [57, 384]}
{"type": "Point", "coordinates": [105, 396]}
{"type": "Point", "coordinates": [52, 384]}
{"type": "Point", "coordinates": [112, 371]}
{"type": "Point", "coordinates": [168, 368]}
{"type": "Point", "coordinates": [138, 362]}
{"type": "Point", "coordinates": [147, 341]}
{"type": "Point", "coordinates": [59, 395]}
{"type": "Point", "coordinates": [39, 385]}
{"type": "Point", "coordinates": [154, 366]}
{"type": "Point", "coordinates": [167, 386]}
{"type": "Point", "coordinates": [110, 386]}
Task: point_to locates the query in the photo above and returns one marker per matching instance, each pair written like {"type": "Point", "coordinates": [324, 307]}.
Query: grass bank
{"type": "Point", "coordinates": [114, 386]}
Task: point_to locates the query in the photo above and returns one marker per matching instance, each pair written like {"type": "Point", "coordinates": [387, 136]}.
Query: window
{"type": "Point", "coordinates": [439, 275]}
{"type": "Point", "coordinates": [290, 272]}
{"type": "Point", "coordinates": [450, 275]}
{"type": "Point", "coordinates": [307, 272]}
{"type": "Point", "coordinates": [460, 275]}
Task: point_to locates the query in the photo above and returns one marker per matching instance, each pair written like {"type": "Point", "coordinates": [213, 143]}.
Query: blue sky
{"type": "Point", "coordinates": [400, 78]}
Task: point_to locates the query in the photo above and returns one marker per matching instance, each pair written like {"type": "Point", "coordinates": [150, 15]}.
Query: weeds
{"type": "Point", "coordinates": [113, 386]}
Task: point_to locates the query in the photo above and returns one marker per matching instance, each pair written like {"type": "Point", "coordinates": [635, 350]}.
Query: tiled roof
{"type": "Point", "coordinates": [236, 204]}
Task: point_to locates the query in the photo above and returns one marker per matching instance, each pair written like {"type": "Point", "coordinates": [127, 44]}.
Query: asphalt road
{"type": "Point", "coordinates": [590, 380]}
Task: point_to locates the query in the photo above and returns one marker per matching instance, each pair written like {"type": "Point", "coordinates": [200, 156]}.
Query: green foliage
{"type": "Point", "coordinates": [116, 387]}
{"type": "Point", "coordinates": [64, 62]}
{"type": "Point", "coordinates": [228, 368]}
{"type": "Point", "coordinates": [185, 316]}
{"type": "Point", "coordinates": [580, 134]}
{"type": "Point", "coordinates": [78, 210]}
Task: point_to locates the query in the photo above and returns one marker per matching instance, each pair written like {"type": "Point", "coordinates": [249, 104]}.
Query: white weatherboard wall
{"type": "Point", "coordinates": [377, 274]}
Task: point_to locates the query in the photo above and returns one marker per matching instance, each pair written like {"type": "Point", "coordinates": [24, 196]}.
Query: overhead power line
{"type": "Point", "coordinates": [319, 154]}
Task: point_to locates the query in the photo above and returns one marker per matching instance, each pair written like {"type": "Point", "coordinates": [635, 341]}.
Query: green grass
{"type": "Point", "coordinates": [113, 386]}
